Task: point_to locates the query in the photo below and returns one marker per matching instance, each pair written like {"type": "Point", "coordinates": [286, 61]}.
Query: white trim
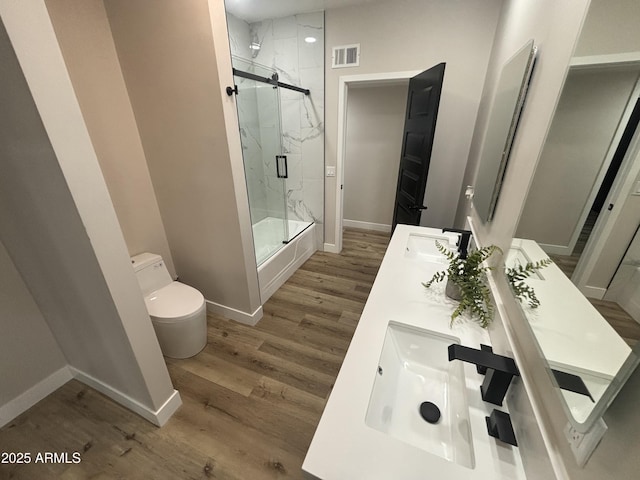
{"type": "Point", "coordinates": [344, 82]}
{"type": "Point", "coordinates": [158, 417]}
{"type": "Point", "coordinates": [378, 227]}
{"type": "Point", "coordinates": [233, 314]}
{"type": "Point", "coordinates": [593, 292]}
{"type": "Point", "coordinates": [611, 60]}
{"type": "Point", "coordinates": [556, 249]}
{"type": "Point", "coordinates": [331, 247]}
{"type": "Point", "coordinates": [33, 395]}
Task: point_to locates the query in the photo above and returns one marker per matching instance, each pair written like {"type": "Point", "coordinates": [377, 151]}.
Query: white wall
{"type": "Point", "coordinates": [29, 353]}
{"type": "Point", "coordinates": [59, 226]}
{"type": "Point", "coordinates": [85, 39]}
{"type": "Point", "coordinates": [375, 121]}
{"type": "Point", "coordinates": [170, 55]}
{"type": "Point", "coordinates": [588, 115]}
{"type": "Point", "coordinates": [397, 36]}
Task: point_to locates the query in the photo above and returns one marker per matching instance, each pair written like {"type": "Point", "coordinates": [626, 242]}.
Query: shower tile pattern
{"type": "Point", "coordinates": [284, 50]}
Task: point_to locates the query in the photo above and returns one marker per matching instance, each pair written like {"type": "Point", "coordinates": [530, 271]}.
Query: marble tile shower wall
{"type": "Point", "coordinates": [283, 48]}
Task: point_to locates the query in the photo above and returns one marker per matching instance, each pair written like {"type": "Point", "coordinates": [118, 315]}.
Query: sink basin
{"type": "Point", "coordinates": [414, 368]}
{"type": "Point", "coordinates": [423, 247]}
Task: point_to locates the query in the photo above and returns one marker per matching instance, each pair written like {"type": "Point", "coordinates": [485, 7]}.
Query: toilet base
{"type": "Point", "coordinates": [183, 338]}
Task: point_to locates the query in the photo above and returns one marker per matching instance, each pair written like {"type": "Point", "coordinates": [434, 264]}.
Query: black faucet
{"type": "Point", "coordinates": [498, 370]}
{"type": "Point", "coordinates": [463, 240]}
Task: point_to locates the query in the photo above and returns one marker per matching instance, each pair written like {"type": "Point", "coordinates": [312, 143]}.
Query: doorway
{"type": "Point", "coordinates": [375, 119]}
{"type": "Point", "coordinates": [346, 85]}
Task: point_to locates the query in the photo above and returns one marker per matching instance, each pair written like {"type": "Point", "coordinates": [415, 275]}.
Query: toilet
{"type": "Point", "coordinates": [177, 311]}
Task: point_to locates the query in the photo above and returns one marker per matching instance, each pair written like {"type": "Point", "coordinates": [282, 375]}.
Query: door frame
{"type": "Point", "coordinates": [344, 83]}
{"type": "Point", "coordinates": [606, 162]}
{"type": "Point", "coordinates": [622, 186]}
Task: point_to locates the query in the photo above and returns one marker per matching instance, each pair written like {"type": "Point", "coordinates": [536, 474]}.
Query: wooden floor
{"type": "Point", "coordinates": [251, 400]}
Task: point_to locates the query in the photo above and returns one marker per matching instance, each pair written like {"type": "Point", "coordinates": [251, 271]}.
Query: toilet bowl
{"type": "Point", "coordinates": [177, 311]}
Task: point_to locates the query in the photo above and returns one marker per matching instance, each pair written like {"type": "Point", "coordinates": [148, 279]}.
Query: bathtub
{"type": "Point", "coordinates": [278, 260]}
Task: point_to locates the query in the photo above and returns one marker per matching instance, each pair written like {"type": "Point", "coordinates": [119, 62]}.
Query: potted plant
{"type": "Point", "coordinates": [466, 282]}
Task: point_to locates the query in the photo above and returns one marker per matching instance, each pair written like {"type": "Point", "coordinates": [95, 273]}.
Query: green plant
{"type": "Point", "coordinates": [516, 276]}
{"type": "Point", "coordinates": [469, 275]}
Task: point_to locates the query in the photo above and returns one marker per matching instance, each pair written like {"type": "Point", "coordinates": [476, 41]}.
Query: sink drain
{"type": "Point", "coordinates": [430, 412]}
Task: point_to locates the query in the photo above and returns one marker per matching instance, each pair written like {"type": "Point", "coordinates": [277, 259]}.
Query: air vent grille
{"type": "Point", "coordinates": [346, 56]}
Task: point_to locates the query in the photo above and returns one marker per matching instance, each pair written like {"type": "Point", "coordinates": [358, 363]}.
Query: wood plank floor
{"type": "Point", "coordinates": [251, 400]}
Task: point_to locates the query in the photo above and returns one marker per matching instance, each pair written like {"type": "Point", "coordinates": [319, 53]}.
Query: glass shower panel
{"type": "Point", "coordinates": [258, 106]}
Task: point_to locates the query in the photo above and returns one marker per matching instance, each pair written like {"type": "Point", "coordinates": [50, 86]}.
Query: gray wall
{"type": "Point", "coordinates": [588, 114]}
{"type": "Point", "coordinates": [28, 351]}
{"type": "Point", "coordinates": [58, 224]}
{"type": "Point", "coordinates": [90, 56]}
{"type": "Point", "coordinates": [416, 35]}
{"type": "Point", "coordinates": [168, 58]}
{"type": "Point", "coordinates": [375, 120]}
{"type": "Point", "coordinates": [606, 17]}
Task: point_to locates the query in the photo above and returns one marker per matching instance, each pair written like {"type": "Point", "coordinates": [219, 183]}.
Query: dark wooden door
{"type": "Point", "coordinates": [417, 142]}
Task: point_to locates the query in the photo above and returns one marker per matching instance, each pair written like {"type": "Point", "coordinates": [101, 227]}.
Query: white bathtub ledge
{"type": "Point", "coordinates": [343, 446]}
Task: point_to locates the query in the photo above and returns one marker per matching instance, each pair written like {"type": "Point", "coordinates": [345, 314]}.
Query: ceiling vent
{"type": "Point", "coordinates": [346, 56]}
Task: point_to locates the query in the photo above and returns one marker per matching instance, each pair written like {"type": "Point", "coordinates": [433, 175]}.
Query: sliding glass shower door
{"type": "Point", "coordinates": [258, 106]}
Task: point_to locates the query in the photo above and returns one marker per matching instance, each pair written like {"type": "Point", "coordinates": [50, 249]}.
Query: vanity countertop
{"type": "Point", "coordinates": [343, 446]}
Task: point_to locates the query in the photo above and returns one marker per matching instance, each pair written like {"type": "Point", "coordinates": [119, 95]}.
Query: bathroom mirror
{"type": "Point", "coordinates": [583, 211]}
{"type": "Point", "coordinates": [501, 128]}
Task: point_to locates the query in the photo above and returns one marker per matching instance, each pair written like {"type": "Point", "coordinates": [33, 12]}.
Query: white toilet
{"type": "Point", "coordinates": [177, 311]}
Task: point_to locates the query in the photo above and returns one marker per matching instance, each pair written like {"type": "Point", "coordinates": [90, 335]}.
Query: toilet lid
{"type": "Point", "coordinates": [174, 301]}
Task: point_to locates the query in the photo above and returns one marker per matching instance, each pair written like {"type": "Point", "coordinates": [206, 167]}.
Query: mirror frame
{"type": "Point", "coordinates": [497, 138]}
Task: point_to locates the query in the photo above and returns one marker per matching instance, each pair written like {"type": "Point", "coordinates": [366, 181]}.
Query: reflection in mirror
{"type": "Point", "coordinates": [583, 211]}
{"type": "Point", "coordinates": [503, 121]}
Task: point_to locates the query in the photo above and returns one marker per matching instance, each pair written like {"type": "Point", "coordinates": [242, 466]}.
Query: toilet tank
{"type": "Point", "coordinates": [151, 272]}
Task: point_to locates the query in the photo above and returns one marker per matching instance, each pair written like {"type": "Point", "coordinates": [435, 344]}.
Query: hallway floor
{"type": "Point", "coordinates": [251, 400]}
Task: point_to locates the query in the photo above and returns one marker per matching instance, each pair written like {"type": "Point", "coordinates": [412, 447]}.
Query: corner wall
{"type": "Point", "coordinates": [29, 354]}
{"type": "Point", "coordinates": [82, 30]}
{"type": "Point", "coordinates": [168, 53]}
{"type": "Point", "coordinates": [59, 226]}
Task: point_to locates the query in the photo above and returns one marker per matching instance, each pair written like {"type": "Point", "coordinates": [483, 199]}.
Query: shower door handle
{"type": "Point", "coordinates": [281, 166]}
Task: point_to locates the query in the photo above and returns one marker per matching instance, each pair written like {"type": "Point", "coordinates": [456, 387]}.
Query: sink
{"type": "Point", "coordinates": [414, 368]}
{"type": "Point", "coordinates": [423, 247]}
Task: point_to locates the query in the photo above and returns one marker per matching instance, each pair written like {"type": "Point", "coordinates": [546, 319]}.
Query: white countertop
{"type": "Point", "coordinates": [343, 446]}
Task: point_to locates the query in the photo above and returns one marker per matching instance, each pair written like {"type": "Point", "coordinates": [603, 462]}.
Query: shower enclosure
{"type": "Point", "coordinates": [265, 160]}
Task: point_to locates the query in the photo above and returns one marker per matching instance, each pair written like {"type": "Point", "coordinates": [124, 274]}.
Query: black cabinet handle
{"type": "Point", "coordinates": [417, 207]}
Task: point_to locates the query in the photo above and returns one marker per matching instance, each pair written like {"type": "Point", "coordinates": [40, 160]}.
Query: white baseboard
{"type": "Point", "coordinates": [593, 292]}
{"type": "Point", "coordinates": [330, 247]}
{"type": "Point", "coordinates": [378, 227]}
{"type": "Point", "coordinates": [233, 314]}
{"type": "Point", "coordinates": [555, 249]}
{"type": "Point", "coordinates": [28, 399]}
{"type": "Point", "coordinates": [158, 417]}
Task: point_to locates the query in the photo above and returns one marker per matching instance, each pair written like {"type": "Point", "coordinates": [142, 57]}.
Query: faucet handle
{"type": "Point", "coordinates": [499, 426]}
{"type": "Point", "coordinates": [482, 370]}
